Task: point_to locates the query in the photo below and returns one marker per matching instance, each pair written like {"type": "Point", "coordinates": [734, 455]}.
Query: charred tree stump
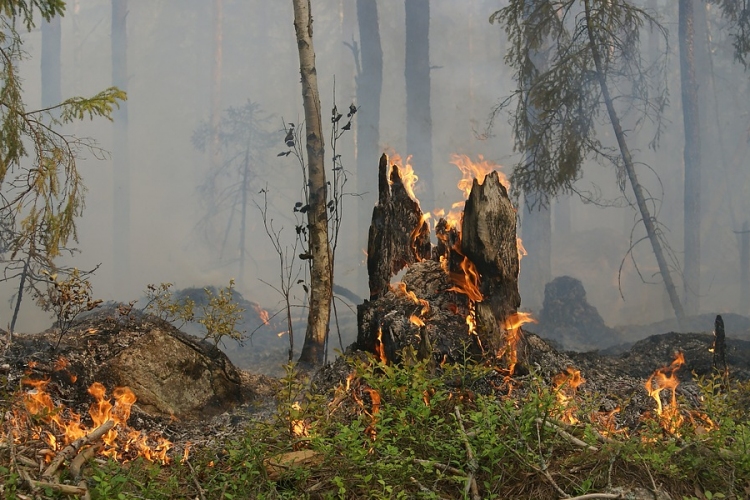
{"type": "Point", "coordinates": [454, 299]}
{"type": "Point", "coordinates": [399, 234]}
{"type": "Point", "coordinates": [489, 241]}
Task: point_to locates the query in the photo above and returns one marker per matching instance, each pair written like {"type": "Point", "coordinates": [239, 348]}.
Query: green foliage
{"type": "Point", "coordinates": [24, 9]}
{"type": "Point", "coordinates": [559, 101]}
{"type": "Point", "coordinates": [218, 314]}
{"type": "Point", "coordinates": [219, 317]}
{"type": "Point", "coordinates": [67, 299]}
{"type": "Point", "coordinates": [160, 302]}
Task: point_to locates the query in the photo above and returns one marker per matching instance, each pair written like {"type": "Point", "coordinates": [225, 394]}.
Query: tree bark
{"type": "Point", "coordinates": [313, 349]}
{"type": "Point", "coordinates": [120, 160]}
{"type": "Point", "coordinates": [692, 155]}
{"type": "Point", "coordinates": [648, 220]}
{"type": "Point", "coordinates": [369, 89]}
{"type": "Point", "coordinates": [418, 116]}
{"type": "Point", "coordinates": [51, 70]}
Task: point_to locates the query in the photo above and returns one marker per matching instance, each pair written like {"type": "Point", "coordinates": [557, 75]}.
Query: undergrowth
{"type": "Point", "coordinates": [418, 432]}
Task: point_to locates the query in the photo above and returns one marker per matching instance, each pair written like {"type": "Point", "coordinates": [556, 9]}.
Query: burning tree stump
{"type": "Point", "coordinates": [457, 299]}
{"type": "Point", "coordinates": [399, 233]}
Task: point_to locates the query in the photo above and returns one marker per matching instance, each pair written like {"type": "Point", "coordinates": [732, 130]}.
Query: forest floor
{"type": "Point", "coordinates": [366, 429]}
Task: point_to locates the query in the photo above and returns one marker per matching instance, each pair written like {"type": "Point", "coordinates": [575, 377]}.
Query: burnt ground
{"type": "Point", "coordinates": [613, 380]}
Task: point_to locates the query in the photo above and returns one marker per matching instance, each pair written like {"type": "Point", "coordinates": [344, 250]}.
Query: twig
{"type": "Point", "coordinates": [66, 489]}
{"type": "Point", "coordinates": [83, 456]}
{"type": "Point", "coordinates": [569, 437]}
{"type": "Point", "coordinates": [471, 482]}
{"type": "Point", "coordinates": [591, 496]}
{"type": "Point", "coordinates": [73, 447]}
{"type": "Point", "coordinates": [195, 481]}
{"type": "Point", "coordinates": [442, 467]}
{"type": "Point", "coordinates": [423, 488]}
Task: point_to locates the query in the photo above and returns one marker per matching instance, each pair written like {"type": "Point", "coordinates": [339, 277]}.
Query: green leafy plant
{"type": "Point", "coordinates": [67, 299]}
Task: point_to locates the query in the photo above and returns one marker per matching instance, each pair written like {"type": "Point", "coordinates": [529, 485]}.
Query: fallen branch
{"type": "Point", "coordinates": [592, 496]}
{"type": "Point", "coordinates": [566, 435]}
{"type": "Point", "coordinates": [195, 480]}
{"type": "Point", "coordinates": [77, 463]}
{"type": "Point", "coordinates": [76, 445]}
{"type": "Point", "coordinates": [442, 467]}
{"type": "Point", "coordinates": [66, 489]}
{"type": "Point", "coordinates": [471, 482]}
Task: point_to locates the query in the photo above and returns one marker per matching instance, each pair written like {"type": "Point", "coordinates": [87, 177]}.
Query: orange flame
{"type": "Point", "coordinates": [476, 170]}
{"type": "Point", "coordinates": [380, 348]}
{"type": "Point", "coordinates": [664, 378]}
{"type": "Point", "coordinates": [401, 287]}
{"type": "Point", "coordinates": [39, 403]}
{"type": "Point", "coordinates": [262, 314]}
{"type": "Point", "coordinates": [408, 176]}
{"type": "Point", "coordinates": [512, 325]}
{"type": "Point", "coordinates": [468, 281]}
{"type": "Point", "coordinates": [416, 320]}
{"type": "Point", "coordinates": [565, 386]}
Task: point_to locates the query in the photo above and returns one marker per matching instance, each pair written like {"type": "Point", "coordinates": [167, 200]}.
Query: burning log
{"type": "Point", "coordinates": [76, 445]}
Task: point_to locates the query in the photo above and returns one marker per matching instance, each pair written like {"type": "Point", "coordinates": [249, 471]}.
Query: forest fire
{"type": "Point", "coordinates": [65, 426]}
{"type": "Point", "coordinates": [408, 176]}
{"type": "Point", "coordinates": [512, 326]}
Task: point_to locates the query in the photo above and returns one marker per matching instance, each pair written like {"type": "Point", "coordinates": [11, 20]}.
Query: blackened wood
{"type": "Point", "coordinates": [720, 345]}
{"type": "Point", "coordinates": [488, 230]}
{"type": "Point", "coordinates": [399, 235]}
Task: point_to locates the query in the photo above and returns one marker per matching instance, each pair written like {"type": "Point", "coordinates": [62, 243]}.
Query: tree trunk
{"type": "Point", "coordinates": [120, 161]}
{"type": "Point", "coordinates": [418, 117]}
{"type": "Point", "coordinates": [313, 349]}
{"type": "Point", "coordinates": [243, 221]}
{"type": "Point", "coordinates": [51, 72]}
{"type": "Point", "coordinates": [648, 220]}
{"type": "Point", "coordinates": [369, 88]}
{"type": "Point", "coordinates": [214, 146]}
{"type": "Point", "coordinates": [692, 156]}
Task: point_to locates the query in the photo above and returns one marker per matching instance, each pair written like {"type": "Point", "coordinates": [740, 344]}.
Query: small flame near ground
{"type": "Point", "coordinates": [664, 378]}
{"type": "Point", "coordinates": [120, 443]}
{"type": "Point", "coordinates": [565, 386]}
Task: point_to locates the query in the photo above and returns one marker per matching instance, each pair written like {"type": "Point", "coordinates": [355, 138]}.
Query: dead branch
{"type": "Point", "coordinates": [76, 445]}
{"type": "Point", "coordinates": [66, 489]}
{"type": "Point", "coordinates": [439, 466]}
{"type": "Point", "coordinates": [592, 496]}
{"type": "Point", "coordinates": [567, 436]}
{"type": "Point", "coordinates": [195, 480]}
{"type": "Point", "coordinates": [83, 456]}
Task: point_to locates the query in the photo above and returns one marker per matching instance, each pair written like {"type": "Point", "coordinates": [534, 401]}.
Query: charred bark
{"type": "Point", "coordinates": [398, 236]}
{"type": "Point", "coordinates": [455, 298]}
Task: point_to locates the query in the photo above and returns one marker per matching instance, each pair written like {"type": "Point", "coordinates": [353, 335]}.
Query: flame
{"type": "Point", "coordinates": [565, 386]}
{"type": "Point", "coordinates": [512, 325]}
{"type": "Point", "coordinates": [467, 282]}
{"type": "Point", "coordinates": [401, 287]}
{"type": "Point", "coordinates": [408, 176]}
{"type": "Point", "coordinates": [380, 348]}
{"type": "Point", "coordinates": [521, 250]}
{"type": "Point", "coordinates": [606, 421]}
{"type": "Point", "coordinates": [120, 440]}
{"type": "Point", "coordinates": [416, 320]}
{"type": "Point", "coordinates": [415, 233]}
{"type": "Point", "coordinates": [664, 378]}
{"type": "Point", "coordinates": [262, 314]}
{"type": "Point", "coordinates": [476, 170]}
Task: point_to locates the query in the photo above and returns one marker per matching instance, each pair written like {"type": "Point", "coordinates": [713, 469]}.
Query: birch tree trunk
{"type": "Point", "coordinates": [313, 350]}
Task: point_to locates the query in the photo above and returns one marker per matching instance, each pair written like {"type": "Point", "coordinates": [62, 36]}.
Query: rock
{"type": "Point", "coordinates": [173, 374]}
{"type": "Point", "coordinates": [569, 320]}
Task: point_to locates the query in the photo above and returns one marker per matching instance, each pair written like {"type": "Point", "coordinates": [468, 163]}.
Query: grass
{"type": "Point", "coordinates": [408, 432]}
